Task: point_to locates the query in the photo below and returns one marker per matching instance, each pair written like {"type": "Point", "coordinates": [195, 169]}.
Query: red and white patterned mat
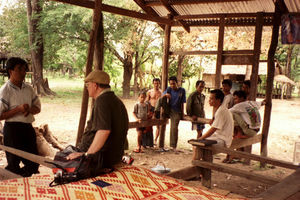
{"type": "Point", "coordinates": [126, 182]}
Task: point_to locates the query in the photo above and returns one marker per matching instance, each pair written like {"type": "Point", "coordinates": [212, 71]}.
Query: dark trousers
{"type": "Point", "coordinates": [20, 136]}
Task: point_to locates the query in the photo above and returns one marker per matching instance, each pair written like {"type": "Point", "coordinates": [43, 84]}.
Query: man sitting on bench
{"type": "Point", "coordinates": [246, 115]}
{"type": "Point", "coordinates": [222, 126]}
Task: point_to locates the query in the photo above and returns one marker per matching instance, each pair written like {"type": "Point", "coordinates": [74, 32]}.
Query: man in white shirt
{"type": "Point", "coordinates": [222, 126]}
{"type": "Point", "coordinates": [18, 104]}
{"type": "Point", "coordinates": [246, 115]}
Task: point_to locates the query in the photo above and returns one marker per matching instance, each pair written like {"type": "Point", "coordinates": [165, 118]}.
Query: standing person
{"type": "Point", "coordinates": [195, 107]}
{"type": "Point", "coordinates": [141, 113]}
{"type": "Point", "coordinates": [18, 104]}
{"type": "Point", "coordinates": [246, 88]}
{"type": "Point", "coordinates": [152, 96]}
{"type": "Point", "coordinates": [226, 87]}
{"type": "Point", "coordinates": [172, 101]}
{"type": "Point", "coordinates": [222, 127]}
{"type": "Point", "coordinates": [105, 134]}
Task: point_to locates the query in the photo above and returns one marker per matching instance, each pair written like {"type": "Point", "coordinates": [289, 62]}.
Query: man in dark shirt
{"type": "Point", "coordinates": [105, 135]}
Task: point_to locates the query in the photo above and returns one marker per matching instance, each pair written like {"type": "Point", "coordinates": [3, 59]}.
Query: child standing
{"type": "Point", "coordinates": [141, 113]}
{"type": "Point", "coordinates": [195, 107]}
{"type": "Point", "coordinates": [228, 99]}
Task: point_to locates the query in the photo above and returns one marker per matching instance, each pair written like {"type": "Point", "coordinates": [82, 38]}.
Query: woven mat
{"type": "Point", "coordinates": [127, 182]}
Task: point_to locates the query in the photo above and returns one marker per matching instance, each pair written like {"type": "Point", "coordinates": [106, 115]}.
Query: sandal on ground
{"type": "Point", "coordinates": [138, 151]}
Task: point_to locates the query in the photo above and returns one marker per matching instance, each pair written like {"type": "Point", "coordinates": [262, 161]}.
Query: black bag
{"type": "Point", "coordinates": [83, 167]}
{"type": "Point", "coordinates": [67, 171]}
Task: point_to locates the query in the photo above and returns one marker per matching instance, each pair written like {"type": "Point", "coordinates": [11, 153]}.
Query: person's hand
{"type": "Point", "coordinates": [194, 117]}
{"type": "Point", "coordinates": [74, 155]}
{"type": "Point", "coordinates": [24, 108]}
{"type": "Point", "coordinates": [139, 120]}
{"type": "Point", "coordinates": [168, 95]}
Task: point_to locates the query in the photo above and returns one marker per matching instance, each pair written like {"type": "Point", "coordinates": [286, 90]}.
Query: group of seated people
{"type": "Point", "coordinates": [234, 115]}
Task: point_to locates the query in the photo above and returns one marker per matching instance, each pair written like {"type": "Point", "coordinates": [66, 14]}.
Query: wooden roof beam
{"type": "Point", "coordinates": [148, 10]}
{"type": "Point", "coordinates": [116, 10]}
{"type": "Point", "coordinates": [180, 2]}
{"type": "Point", "coordinates": [174, 13]}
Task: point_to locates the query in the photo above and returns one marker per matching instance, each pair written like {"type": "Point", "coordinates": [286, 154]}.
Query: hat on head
{"type": "Point", "coordinates": [98, 76]}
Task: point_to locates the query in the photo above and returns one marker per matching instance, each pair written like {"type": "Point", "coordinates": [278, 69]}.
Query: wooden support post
{"type": "Point", "coordinates": [270, 78]}
{"type": "Point", "coordinates": [88, 68]}
{"type": "Point", "coordinates": [257, 47]}
{"type": "Point", "coordinates": [165, 69]}
{"type": "Point", "coordinates": [206, 173]}
{"type": "Point", "coordinates": [99, 45]}
{"type": "Point", "coordinates": [220, 52]}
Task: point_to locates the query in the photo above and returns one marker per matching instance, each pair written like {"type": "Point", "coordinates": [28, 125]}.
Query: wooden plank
{"type": "Point", "coordinates": [235, 171]}
{"type": "Point", "coordinates": [237, 59]}
{"type": "Point", "coordinates": [234, 52]}
{"type": "Point", "coordinates": [238, 143]}
{"type": "Point", "coordinates": [29, 156]}
{"type": "Point", "coordinates": [219, 55]}
{"type": "Point", "coordinates": [150, 122]}
{"type": "Point", "coordinates": [241, 154]}
{"type": "Point", "coordinates": [193, 53]}
{"type": "Point", "coordinates": [186, 173]}
{"type": "Point", "coordinates": [286, 188]}
{"type": "Point", "coordinates": [116, 10]}
{"type": "Point", "coordinates": [5, 175]}
{"type": "Point", "coordinates": [199, 119]}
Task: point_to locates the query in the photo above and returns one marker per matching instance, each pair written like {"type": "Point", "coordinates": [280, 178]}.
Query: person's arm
{"type": "Point", "coordinates": [148, 97]}
{"type": "Point", "coordinates": [98, 142]}
{"type": "Point", "coordinates": [17, 110]}
{"type": "Point", "coordinates": [135, 111]}
{"type": "Point", "coordinates": [211, 131]}
{"type": "Point", "coordinates": [189, 106]}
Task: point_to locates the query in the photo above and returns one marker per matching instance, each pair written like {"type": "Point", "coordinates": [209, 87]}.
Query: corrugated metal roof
{"type": "Point", "coordinates": [252, 6]}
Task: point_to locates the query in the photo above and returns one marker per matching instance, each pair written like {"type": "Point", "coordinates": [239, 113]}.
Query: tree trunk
{"type": "Point", "coordinates": [135, 77]}
{"type": "Point", "coordinates": [180, 69]}
{"type": "Point", "coordinates": [34, 10]}
{"type": "Point", "coordinates": [127, 65]}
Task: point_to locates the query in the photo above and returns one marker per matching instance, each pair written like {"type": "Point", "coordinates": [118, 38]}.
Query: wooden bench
{"type": "Point", "coordinates": [206, 162]}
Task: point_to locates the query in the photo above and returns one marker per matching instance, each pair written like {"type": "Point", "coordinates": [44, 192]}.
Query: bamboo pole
{"type": "Point", "coordinates": [88, 68]}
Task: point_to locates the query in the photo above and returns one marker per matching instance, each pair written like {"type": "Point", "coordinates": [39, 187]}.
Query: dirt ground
{"type": "Point", "coordinates": [284, 131]}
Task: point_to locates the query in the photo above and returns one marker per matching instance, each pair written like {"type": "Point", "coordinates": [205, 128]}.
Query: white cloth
{"type": "Point", "coordinates": [249, 111]}
{"type": "Point", "coordinates": [12, 96]}
{"type": "Point", "coordinates": [223, 122]}
{"type": "Point", "coordinates": [228, 101]}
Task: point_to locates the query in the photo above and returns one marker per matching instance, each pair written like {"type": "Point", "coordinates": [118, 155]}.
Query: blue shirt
{"type": "Point", "coordinates": [177, 98]}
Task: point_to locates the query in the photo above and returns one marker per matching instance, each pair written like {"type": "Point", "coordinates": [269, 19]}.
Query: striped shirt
{"type": "Point", "coordinates": [12, 96]}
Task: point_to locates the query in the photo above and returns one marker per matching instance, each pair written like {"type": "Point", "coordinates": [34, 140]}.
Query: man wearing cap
{"type": "Point", "coordinates": [18, 104]}
{"type": "Point", "coordinates": [105, 134]}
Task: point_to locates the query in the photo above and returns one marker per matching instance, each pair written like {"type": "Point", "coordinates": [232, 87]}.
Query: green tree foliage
{"type": "Point", "coordinates": [13, 30]}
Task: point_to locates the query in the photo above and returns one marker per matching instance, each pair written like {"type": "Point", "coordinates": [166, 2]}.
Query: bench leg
{"type": "Point", "coordinates": [206, 173]}
{"type": "Point", "coordinates": [247, 149]}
